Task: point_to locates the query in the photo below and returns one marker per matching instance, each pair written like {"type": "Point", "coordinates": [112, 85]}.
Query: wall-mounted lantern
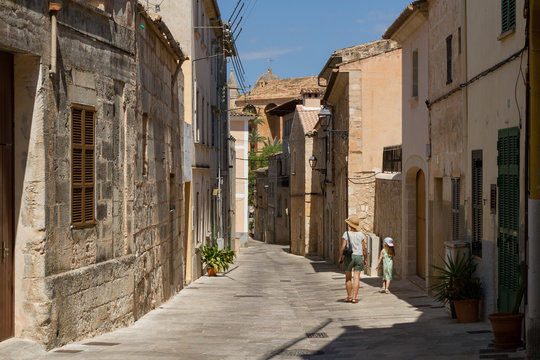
{"type": "Point", "coordinates": [313, 162]}
{"type": "Point", "coordinates": [325, 118]}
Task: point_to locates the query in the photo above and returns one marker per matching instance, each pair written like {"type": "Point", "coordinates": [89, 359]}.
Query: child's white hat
{"type": "Point", "coordinates": [388, 241]}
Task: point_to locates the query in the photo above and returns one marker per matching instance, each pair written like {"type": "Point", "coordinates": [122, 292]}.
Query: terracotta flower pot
{"type": "Point", "coordinates": [506, 329]}
{"type": "Point", "coordinates": [212, 271]}
{"type": "Point", "coordinates": [466, 310]}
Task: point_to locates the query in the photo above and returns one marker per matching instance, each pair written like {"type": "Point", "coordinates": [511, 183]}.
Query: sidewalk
{"type": "Point", "coordinates": [274, 305]}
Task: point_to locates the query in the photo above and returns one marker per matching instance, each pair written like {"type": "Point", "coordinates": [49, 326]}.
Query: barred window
{"type": "Point", "coordinates": [82, 166]}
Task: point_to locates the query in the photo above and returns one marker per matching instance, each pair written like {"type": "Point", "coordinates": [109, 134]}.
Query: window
{"type": "Point", "coordinates": [508, 15]}
{"type": "Point", "coordinates": [459, 39]}
{"type": "Point", "coordinates": [477, 211]}
{"type": "Point", "coordinates": [455, 208]}
{"type": "Point", "coordinates": [449, 59]}
{"type": "Point", "coordinates": [82, 166]}
{"type": "Point", "coordinates": [415, 73]}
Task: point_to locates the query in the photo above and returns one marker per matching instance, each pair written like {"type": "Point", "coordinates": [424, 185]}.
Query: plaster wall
{"type": "Point", "coordinates": [239, 130]}
{"type": "Point", "coordinates": [415, 137]}
{"type": "Point", "coordinates": [491, 107]}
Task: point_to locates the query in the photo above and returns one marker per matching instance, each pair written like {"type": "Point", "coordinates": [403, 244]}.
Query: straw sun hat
{"type": "Point", "coordinates": [353, 222]}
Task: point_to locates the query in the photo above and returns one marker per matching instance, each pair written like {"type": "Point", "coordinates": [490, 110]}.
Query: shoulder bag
{"type": "Point", "coordinates": [348, 248]}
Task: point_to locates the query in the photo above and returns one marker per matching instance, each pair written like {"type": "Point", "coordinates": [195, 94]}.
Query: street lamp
{"type": "Point", "coordinates": [313, 162]}
{"type": "Point", "coordinates": [325, 118]}
{"type": "Point", "coordinates": [325, 115]}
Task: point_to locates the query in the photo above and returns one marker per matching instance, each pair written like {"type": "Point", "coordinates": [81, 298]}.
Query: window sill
{"type": "Point", "coordinates": [93, 8]}
{"type": "Point", "coordinates": [506, 34]}
{"type": "Point", "coordinates": [413, 100]}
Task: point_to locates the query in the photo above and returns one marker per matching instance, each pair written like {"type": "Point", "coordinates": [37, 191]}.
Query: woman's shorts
{"type": "Point", "coordinates": [354, 263]}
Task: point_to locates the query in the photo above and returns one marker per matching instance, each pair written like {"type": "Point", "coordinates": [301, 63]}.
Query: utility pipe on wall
{"type": "Point", "coordinates": [533, 288]}
{"type": "Point", "coordinates": [53, 10]}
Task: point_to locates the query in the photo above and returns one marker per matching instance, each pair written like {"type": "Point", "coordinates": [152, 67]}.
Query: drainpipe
{"type": "Point", "coordinates": [533, 138]}
{"type": "Point", "coordinates": [53, 10]}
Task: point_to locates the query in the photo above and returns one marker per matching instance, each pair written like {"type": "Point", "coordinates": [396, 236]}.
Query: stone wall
{"type": "Point", "coordinates": [387, 217]}
{"type": "Point", "coordinates": [157, 203]}
{"type": "Point", "coordinates": [71, 283]}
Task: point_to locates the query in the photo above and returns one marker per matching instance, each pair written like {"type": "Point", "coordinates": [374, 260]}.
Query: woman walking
{"type": "Point", "coordinates": [355, 261]}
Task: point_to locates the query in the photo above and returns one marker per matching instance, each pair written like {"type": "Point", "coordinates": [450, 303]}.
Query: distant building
{"type": "Point", "coordinates": [239, 124]}
{"type": "Point", "coordinates": [305, 195]}
{"type": "Point", "coordinates": [363, 95]}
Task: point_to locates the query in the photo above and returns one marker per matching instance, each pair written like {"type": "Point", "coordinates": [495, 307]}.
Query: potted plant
{"type": "Point", "coordinates": [507, 325]}
{"type": "Point", "coordinates": [216, 259]}
{"type": "Point", "coordinates": [456, 284]}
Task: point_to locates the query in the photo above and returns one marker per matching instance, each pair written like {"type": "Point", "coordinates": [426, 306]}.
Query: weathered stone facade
{"type": "Point", "coordinates": [73, 282]}
{"type": "Point", "coordinates": [388, 215]}
{"type": "Point", "coordinates": [364, 90]}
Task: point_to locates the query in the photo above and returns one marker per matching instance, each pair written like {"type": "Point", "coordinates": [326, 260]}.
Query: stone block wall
{"type": "Point", "coordinates": [157, 174]}
{"type": "Point", "coordinates": [361, 194]}
{"type": "Point", "coordinates": [388, 214]}
{"type": "Point", "coordinates": [72, 283]}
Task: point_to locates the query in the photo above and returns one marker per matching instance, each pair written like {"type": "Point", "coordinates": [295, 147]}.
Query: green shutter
{"type": "Point", "coordinates": [508, 232]}
{"type": "Point", "coordinates": [508, 15]}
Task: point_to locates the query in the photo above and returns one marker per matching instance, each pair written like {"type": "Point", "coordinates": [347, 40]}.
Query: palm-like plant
{"type": "Point", "coordinates": [256, 121]}
{"type": "Point", "coordinates": [456, 280]}
{"type": "Point", "coordinates": [274, 143]}
{"type": "Point", "coordinates": [254, 137]}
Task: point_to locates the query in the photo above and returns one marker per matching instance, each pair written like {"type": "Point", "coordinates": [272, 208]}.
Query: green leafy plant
{"type": "Point", "coordinates": [215, 258]}
{"type": "Point", "coordinates": [456, 280]}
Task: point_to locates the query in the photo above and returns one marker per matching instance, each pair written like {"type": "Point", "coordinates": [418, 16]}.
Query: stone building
{"type": "Point", "coordinates": [411, 30]}
{"type": "Point", "coordinates": [476, 101]}
{"type": "Point", "coordinates": [208, 177]}
{"type": "Point", "coordinates": [239, 124]}
{"type": "Point", "coordinates": [363, 98]}
{"type": "Point", "coordinates": [269, 92]}
{"type": "Point", "coordinates": [433, 114]}
{"type": "Point", "coordinates": [305, 195]}
{"type": "Point", "coordinates": [92, 142]}
{"type": "Point", "coordinates": [277, 201]}
{"type": "Point", "coordinates": [260, 204]}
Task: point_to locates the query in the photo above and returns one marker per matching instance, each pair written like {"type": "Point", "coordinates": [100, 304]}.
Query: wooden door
{"type": "Point", "coordinates": [421, 224]}
{"type": "Point", "coordinates": [6, 195]}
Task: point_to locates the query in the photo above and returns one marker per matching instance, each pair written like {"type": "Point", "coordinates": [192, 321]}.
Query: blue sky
{"type": "Point", "coordinates": [296, 37]}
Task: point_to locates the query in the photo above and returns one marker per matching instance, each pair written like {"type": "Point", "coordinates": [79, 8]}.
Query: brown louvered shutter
{"type": "Point", "coordinates": [82, 166]}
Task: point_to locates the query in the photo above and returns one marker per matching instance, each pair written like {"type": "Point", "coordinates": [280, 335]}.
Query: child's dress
{"type": "Point", "coordinates": [388, 264]}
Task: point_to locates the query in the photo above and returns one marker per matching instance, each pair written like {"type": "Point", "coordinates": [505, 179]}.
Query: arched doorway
{"type": "Point", "coordinates": [421, 264]}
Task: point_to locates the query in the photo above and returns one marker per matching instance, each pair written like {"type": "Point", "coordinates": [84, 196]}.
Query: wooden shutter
{"type": "Point", "coordinates": [508, 15]}
{"type": "Point", "coordinates": [508, 216]}
{"type": "Point", "coordinates": [82, 166]}
{"type": "Point", "coordinates": [477, 209]}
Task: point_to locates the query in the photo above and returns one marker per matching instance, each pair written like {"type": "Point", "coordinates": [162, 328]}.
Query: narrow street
{"type": "Point", "coordinates": [274, 305]}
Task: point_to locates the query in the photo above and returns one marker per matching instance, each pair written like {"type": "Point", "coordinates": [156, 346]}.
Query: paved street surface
{"type": "Point", "coordinates": [274, 305]}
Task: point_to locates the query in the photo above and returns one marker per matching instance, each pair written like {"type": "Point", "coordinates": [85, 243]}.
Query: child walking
{"type": "Point", "coordinates": [387, 257]}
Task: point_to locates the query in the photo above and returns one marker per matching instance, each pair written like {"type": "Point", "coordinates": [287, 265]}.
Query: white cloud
{"type": "Point", "coordinates": [271, 53]}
